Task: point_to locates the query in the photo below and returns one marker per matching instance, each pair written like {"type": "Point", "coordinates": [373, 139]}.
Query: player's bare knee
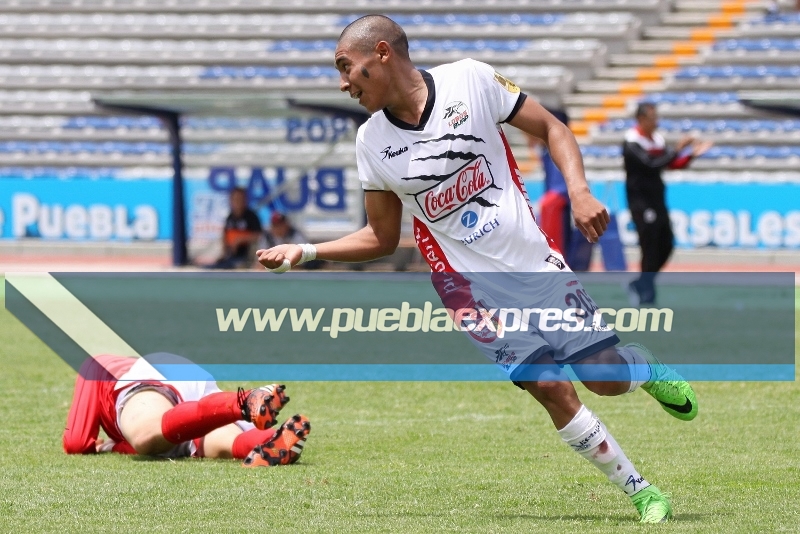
{"type": "Point", "coordinates": [607, 356]}
{"type": "Point", "coordinates": [149, 442]}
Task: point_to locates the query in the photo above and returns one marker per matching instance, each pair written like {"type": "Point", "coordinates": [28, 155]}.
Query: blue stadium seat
{"type": "Point", "coordinates": [268, 72]}
{"type": "Point", "coordinates": [692, 97]}
{"type": "Point", "coordinates": [601, 151]}
{"type": "Point", "coordinates": [758, 44]}
{"type": "Point", "coordinates": [778, 18]}
{"type": "Point", "coordinates": [732, 71]}
{"type": "Point", "coordinates": [513, 19]}
{"type": "Point", "coordinates": [464, 45]}
{"type": "Point", "coordinates": [91, 173]}
{"type": "Point", "coordinates": [110, 123]}
{"type": "Point", "coordinates": [232, 123]}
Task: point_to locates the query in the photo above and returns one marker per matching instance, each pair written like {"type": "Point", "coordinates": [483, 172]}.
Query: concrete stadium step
{"type": "Point", "coordinates": [666, 46]}
{"type": "Point", "coordinates": [595, 114]}
{"type": "Point", "coordinates": [743, 57]}
{"type": "Point", "coordinates": [721, 6]}
{"type": "Point", "coordinates": [346, 7]}
{"type": "Point", "coordinates": [706, 35]}
{"type": "Point", "coordinates": [46, 102]}
{"type": "Point", "coordinates": [614, 36]}
{"type": "Point", "coordinates": [714, 20]}
{"type": "Point", "coordinates": [133, 136]}
{"type": "Point", "coordinates": [593, 100]}
{"type": "Point", "coordinates": [631, 89]}
{"type": "Point", "coordinates": [732, 84]}
{"type": "Point", "coordinates": [631, 74]}
{"type": "Point", "coordinates": [720, 138]}
{"type": "Point", "coordinates": [650, 60]}
{"type": "Point", "coordinates": [579, 112]}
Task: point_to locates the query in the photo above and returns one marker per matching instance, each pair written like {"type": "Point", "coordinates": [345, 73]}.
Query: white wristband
{"type": "Point", "coordinates": [309, 253]}
{"type": "Point", "coordinates": [287, 265]}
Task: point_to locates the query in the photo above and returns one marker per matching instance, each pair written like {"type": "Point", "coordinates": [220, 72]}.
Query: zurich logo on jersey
{"type": "Point", "coordinates": [469, 219]}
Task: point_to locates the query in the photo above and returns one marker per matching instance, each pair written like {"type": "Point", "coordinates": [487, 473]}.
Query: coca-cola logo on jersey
{"type": "Point", "coordinates": [456, 190]}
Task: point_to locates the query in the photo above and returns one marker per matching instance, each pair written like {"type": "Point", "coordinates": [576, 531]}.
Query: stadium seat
{"type": "Point", "coordinates": [709, 77]}
{"type": "Point", "coordinates": [609, 27]}
{"type": "Point", "coordinates": [757, 51]}
{"type": "Point", "coordinates": [54, 55]}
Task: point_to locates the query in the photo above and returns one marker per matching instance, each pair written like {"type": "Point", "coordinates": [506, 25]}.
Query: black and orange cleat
{"type": "Point", "coordinates": [260, 406]}
{"type": "Point", "coordinates": [284, 448]}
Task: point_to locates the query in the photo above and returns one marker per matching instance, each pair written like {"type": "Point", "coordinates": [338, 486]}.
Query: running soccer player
{"type": "Point", "coordinates": [142, 412]}
{"type": "Point", "coordinates": [434, 146]}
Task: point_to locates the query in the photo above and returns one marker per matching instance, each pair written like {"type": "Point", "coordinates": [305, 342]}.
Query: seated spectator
{"type": "Point", "coordinates": [242, 231]}
{"type": "Point", "coordinates": [282, 232]}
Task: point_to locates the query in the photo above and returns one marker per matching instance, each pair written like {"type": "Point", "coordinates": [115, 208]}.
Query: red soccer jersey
{"type": "Point", "coordinates": [94, 405]}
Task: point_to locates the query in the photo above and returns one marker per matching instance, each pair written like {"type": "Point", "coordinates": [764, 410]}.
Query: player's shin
{"type": "Point", "coordinates": [195, 419]}
{"type": "Point", "coordinates": [246, 441]}
{"type": "Point", "coordinates": [638, 367]}
{"type": "Point", "coordinates": [588, 436]}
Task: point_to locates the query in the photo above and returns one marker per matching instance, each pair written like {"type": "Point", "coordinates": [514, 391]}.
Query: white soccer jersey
{"type": "Point", "coordinates": [456, 174]}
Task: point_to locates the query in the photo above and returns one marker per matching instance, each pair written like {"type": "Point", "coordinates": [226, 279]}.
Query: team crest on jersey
{"type": "Point", "coordinates": [456, 114]}
{"type": "Point", "coordinates": [505, 358]}
{"type": "Point", "coordinates": [482, 324]}
{"type": "Point", "coordinates": [507, 84]}
{"type": "Point", "coordinates": [454, 191]}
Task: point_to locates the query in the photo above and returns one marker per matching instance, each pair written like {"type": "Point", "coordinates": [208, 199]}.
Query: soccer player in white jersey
{"type": "Point", "coordinates": [434, 146]}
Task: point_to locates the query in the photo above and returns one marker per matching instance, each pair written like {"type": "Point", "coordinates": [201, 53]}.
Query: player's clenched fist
{"type": "Point", "coordinates": [591, 216]}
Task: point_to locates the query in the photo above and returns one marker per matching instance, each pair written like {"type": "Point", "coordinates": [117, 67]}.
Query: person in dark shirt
{"type": "Point", "coordinates": [646, 154]}
{"type": "Point", "coordinates": [242, 230]}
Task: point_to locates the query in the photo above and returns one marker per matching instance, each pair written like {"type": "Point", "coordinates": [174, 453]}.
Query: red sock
{"type": "Point", "coordinates": [246, 441]}
{"type": "Point", "coordinates": [195, 419]}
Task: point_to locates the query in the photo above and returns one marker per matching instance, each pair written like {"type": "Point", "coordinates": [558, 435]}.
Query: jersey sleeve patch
{"type": "Point", "coordinates": [507, 84]}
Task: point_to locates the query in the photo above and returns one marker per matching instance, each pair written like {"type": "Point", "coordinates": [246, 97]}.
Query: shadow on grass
{"type": "Point", "coordinates": [694, 517]}
{"type": "Point", "coordinates": [632, 519]}
{"type": "Point", "coordinates": [142, 458]}
{"type": "Point", "coordinates": [232, 461]}
{"type": "Point", "coordinates": [574, 517]}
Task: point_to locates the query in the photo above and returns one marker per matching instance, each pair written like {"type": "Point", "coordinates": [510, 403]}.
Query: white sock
{"type": "Point", "coordinates": [638, 367]}
{"type": "Point", "coordinates": [588, 436]}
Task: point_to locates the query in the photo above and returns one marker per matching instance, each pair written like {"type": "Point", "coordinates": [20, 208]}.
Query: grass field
{"type": "Point", "coordinates": [406, 457]}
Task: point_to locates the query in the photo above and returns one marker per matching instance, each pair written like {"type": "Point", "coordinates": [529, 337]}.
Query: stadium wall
{"type": "Point", "coordinates": [742, 215]}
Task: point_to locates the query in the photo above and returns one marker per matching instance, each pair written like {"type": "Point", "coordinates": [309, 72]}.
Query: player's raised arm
{"type": "Point", "coordinates": [377, 239]}
{"type": "Point", "coordinates": [591, 216]}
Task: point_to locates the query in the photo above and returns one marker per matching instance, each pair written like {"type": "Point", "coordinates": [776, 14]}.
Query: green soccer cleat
{"type": "Point", "coordinates": [653, 506]}
{"type": "Point", "coordinates": [669, 388]}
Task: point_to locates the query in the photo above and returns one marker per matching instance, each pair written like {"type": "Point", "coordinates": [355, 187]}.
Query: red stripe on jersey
{"type": "Point", "coordinates": [680, 162]}
{"type": "Point", "coordinates": [516, 176]}
{"type": "Point", "coordinates": [453, 288]}
{"type": "Point", "coordinates": [430, 248]}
